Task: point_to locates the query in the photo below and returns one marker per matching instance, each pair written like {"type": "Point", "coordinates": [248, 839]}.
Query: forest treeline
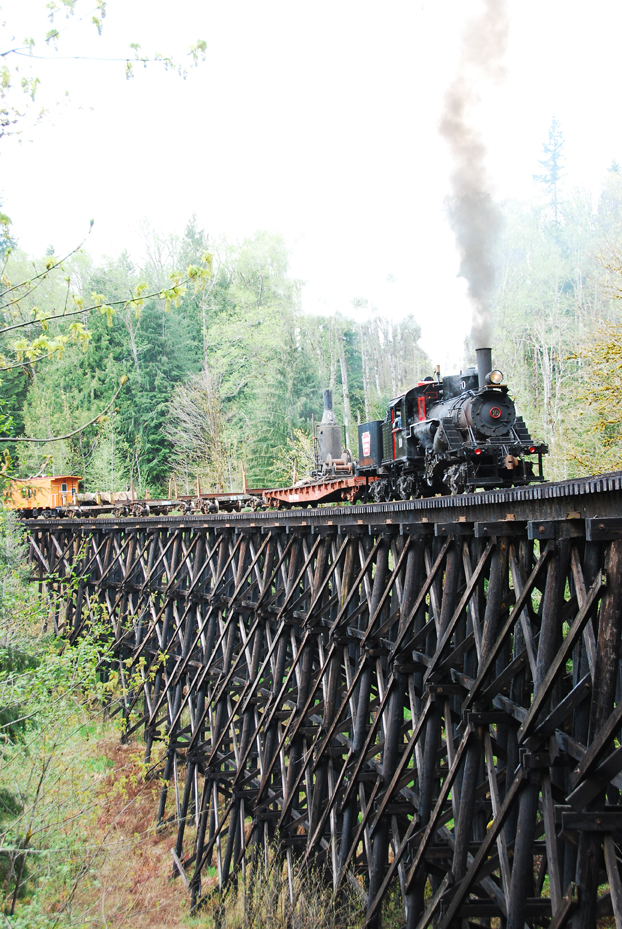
{"type": "Point", "coordinates": [557, 322]}
{"type": "Point", "coordinates": [228, 371]}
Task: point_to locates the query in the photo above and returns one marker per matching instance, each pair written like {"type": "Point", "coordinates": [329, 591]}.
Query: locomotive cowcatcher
{"type": "Point", "coordinates": [449, 435]}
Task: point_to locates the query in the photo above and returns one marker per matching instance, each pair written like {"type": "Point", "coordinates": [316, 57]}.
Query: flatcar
{"type": "Point", "coordinates": [58, 497]}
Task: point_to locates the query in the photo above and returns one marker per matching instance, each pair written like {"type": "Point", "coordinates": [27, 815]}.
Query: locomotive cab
{"type": "Point", "coordinates": [396, 438]}
{"type": "Point", "coordinates": [404, 437]}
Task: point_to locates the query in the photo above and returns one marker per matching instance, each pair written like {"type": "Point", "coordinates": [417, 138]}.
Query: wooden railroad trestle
{"type": "Point", "coordinates": [405, 698]}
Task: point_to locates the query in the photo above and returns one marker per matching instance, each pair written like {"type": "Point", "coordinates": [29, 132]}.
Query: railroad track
{"type": "Point", "coordinates": [579, 498]}
{"type": "Point", "coordinates": [422, 695]}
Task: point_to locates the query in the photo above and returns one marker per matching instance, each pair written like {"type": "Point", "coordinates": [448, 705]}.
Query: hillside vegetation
{"type": "Point", "coordinates": [78, 844]}
{"type": "Point", "coordinates": [79, 841]}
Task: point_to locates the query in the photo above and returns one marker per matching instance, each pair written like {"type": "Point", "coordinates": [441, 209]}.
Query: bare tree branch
{"type": "Point", "coordinates": [196, 429]}
{"type": "Point", "coordinates": [59, 438]}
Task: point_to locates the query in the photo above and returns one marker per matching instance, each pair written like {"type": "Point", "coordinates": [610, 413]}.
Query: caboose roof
{"type": "Point", "coordinates": [47, 477]}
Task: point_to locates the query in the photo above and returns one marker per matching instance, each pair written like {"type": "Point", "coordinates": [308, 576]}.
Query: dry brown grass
{"type": "Point", "coordinates": [120, 873]}
{"type": "Point", "coordinates": [130, 882]}
{"type": "Point", "coordinates": [264, 898]}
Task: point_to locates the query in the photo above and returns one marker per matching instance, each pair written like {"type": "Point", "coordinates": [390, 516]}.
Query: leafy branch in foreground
{"type": "Point", "coordinates": [19, 85]}
{"type": "Point", "coordinates": [30, 351]}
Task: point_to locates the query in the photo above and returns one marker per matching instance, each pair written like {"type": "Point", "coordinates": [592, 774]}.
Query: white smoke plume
{"type": "Point", "coordinates": [474, 217]}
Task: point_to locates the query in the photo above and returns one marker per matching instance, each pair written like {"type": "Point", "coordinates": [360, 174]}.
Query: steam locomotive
{"type": "Point", "coordinates": [449, 435]}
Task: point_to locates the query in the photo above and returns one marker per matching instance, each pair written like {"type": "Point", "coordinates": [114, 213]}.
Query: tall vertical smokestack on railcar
{"type": "Point", "coordinates": [484, 364]}
{"type": "Point", "coordinates": [329, 432]}
{"type": "Point", "coordinates": [328, 415]}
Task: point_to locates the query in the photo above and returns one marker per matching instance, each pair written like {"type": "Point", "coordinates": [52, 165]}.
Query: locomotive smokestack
{"type": "Point", "coordinates": [484, 364]}
{"type": "Point", "coordinates": [328, 416]}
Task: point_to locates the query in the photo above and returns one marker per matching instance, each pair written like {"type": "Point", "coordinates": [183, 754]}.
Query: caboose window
{"type": "Point", "coordinates": [63, 488]}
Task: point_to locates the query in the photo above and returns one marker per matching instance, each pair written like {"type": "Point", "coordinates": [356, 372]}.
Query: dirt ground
{"type": "Point", "coordinates": [130, 883]}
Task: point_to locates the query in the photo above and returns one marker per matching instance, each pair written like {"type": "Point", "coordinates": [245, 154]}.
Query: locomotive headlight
{"type": "Point", "coordinates": [495, 377]}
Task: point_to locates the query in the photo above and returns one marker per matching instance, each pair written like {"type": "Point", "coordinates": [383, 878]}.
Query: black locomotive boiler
{"type": "Point", "coordinates": [450, 435]}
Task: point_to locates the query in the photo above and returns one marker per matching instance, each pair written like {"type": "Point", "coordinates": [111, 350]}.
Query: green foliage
{"type": "Point", "coordinates": [48, 695]}
{"type": "Point", "coordinates": [554, 294]}
{"type": "Point", "coordinates": [163, 346]}
{"type": "Point", "coordinates": [600, 397]}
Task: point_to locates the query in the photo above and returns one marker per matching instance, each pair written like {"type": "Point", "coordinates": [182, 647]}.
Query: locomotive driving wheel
{"type": "Point", "coordinates": [407, 487]}
{"type": "Point", "coordinates": [455, 478]}
{"type": "Point", "coordinates": [380, 491]}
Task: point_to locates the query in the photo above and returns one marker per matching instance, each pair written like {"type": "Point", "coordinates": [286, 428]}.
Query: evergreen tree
{"type": "Point", "coordinates": [167, 356]}
{"type": "Point", "coordinates": [553, 167]}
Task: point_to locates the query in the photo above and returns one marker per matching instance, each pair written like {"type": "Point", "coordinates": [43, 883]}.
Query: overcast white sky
{"type": "Point", "coordinates": [314, 119]}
